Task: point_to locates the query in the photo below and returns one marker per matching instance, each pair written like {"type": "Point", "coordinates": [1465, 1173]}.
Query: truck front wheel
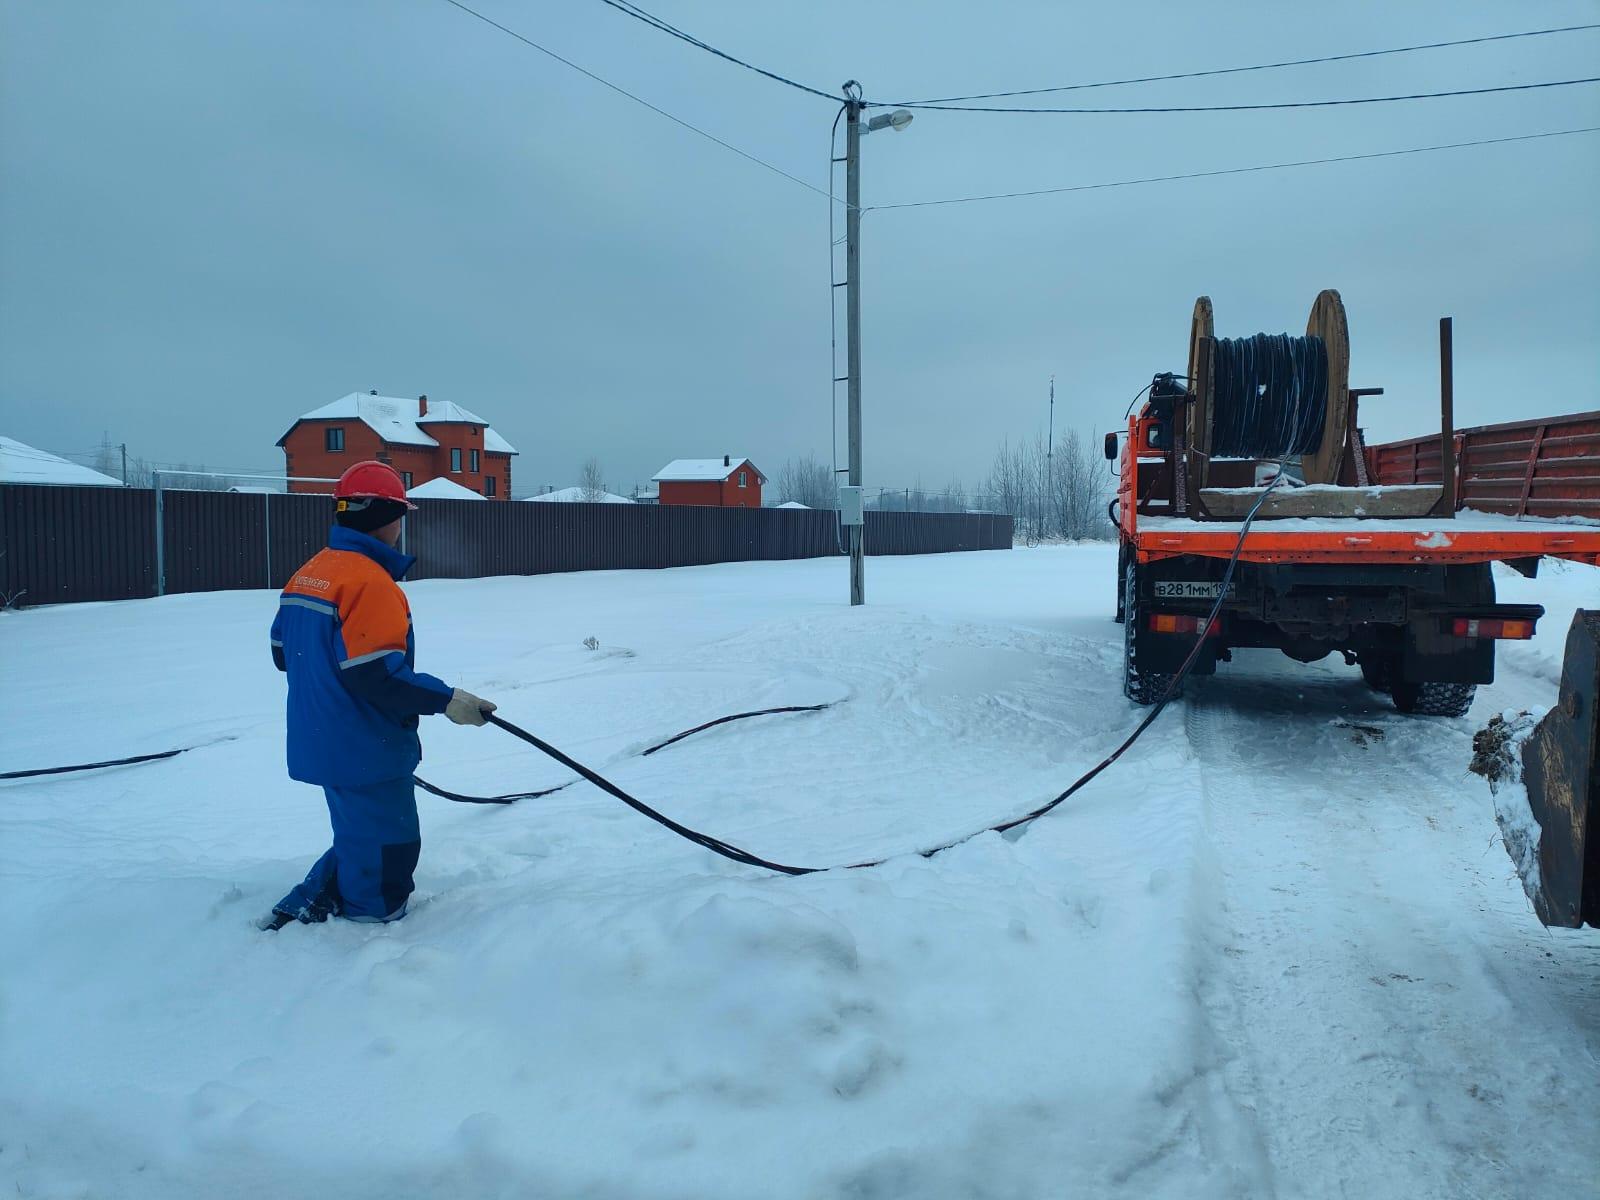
{"type": "Point", "coordinates": [1142, 687]}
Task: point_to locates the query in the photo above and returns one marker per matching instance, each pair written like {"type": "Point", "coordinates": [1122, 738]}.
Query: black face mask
{"type": "Point", "coordinates": [371, 514]}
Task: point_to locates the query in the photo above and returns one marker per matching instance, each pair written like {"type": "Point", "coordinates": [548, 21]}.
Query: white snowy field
{"type": "Point", "coordinates": [1277, 951]}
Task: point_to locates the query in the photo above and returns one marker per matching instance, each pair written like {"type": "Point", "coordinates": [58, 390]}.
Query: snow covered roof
{"type": "Point", "coordinates": [574, 495]}
{"type": "Point", "coordinates": [396, 420]}
{"type": "Point", "coordinates": [22, 463]}
{"type": "Point", "coordinates": [702, 470]}
{"type": "Point", "coordinates": [793, 504]}
{"type": "Point", "coordinates": [441, 412]}
{"type": "Point", "coordinates": [441, 488]}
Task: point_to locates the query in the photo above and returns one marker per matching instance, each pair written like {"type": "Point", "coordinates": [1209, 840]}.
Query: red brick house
{"type": "Point", "coordinates": [727, 482]}
{"type": "Point", "coordinates": [419, 439]}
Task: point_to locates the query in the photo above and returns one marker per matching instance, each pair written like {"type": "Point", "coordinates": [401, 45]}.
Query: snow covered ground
{"type": "Point", "coordinates": [1277, 951]}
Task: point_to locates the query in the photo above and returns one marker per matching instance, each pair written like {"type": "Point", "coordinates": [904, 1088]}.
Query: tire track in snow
{"type": "Point", "coordinates": [1387, 989]}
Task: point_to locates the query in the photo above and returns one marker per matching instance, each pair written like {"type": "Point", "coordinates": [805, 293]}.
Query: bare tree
{"type": "Point", "coordinates": [807, 481]}
{"type": "Point", "coordinates": [1051, 496]}
{"type": "Point", "coordinates": [592, 481]}
{"type": "Point", "coordinates": [1079, 488]}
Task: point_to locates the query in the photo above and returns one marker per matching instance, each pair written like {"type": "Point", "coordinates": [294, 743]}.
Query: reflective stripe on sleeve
{"type": "Point", "coordinates": [363, 658]}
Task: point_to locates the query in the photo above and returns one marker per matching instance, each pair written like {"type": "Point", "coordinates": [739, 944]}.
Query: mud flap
{"type": "Point", "coordinates": [1561, 769]}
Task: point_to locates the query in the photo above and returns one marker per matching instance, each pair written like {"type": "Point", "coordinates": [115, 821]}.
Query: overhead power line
{"type": "Point", "coordinates": [1201, 108]}
{"type": "Point", "coordinates": [621, 91]}
{"type": "Point", "coordinates": [1272, 66]}
{"type": "Point", "coordinates": [655, 22]}
{"type": "Point", "coordinates": [1282, 166]}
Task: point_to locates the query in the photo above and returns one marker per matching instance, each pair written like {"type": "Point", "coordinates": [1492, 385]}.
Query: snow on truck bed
{"type": "Point", "coordinates": [1465, 521]}
{"type": "Point", "coordinates": [1274, 951]}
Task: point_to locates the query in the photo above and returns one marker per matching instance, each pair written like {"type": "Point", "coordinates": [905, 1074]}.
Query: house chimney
{"type": "Point", "coordinates": [422, 406]}
{"type": "Point", "coordinates": [725, 461]}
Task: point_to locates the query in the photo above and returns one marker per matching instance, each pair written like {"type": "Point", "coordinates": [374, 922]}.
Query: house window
{"type": "Point", "coordinates": [455, 461]}
{"type": "Point", "coordinates": [744, 478]}
{"type": "Point", "coordinates": [405, 478]}
{"type": "Point", "coordinates": [333, 439]}
{"type": "Point", "coordinates": [488, 485]}
{"type": "Point", "coordinates": [474, 462]}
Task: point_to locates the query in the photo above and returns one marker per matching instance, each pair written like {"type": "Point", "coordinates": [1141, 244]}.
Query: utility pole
{"type": "Point", "coordinates": [124, 464]}
{"type": "Point", "coordinates": [852, 322]}
{"type": "Point", "coordinates": [853, 513]}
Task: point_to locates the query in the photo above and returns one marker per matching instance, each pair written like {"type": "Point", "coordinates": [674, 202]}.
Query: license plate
{"type": "Point", "coordinates": [1190, 589]}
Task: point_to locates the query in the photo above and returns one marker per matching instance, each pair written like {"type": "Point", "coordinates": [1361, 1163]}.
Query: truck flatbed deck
{"type": "Point", "coordinates": [1467, 537]}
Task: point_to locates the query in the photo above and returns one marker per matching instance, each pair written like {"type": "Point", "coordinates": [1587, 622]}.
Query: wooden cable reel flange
{"type": "Point", "coordinates": [1327, 321]}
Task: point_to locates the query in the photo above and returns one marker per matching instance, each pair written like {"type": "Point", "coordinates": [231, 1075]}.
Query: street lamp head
{"type": "Point", "coordinates": [897, 120]}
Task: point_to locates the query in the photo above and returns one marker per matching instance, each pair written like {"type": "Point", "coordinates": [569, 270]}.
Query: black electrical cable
{"type": "Point", "coordinates": [445, 793]}
{"type": "Point", "coordinates": [1269, 396]}
{"type": "Point", "coordinates": [95, 766]}
{"type": "Point", "coordinates": [655, 22]}
{"type": "Point", "coordinates": [622, 91]}
{"type": "Point", "coordinates": [513, 797]}
{"type": "Point", "coordinates": [1208, 108]}
{"type": "Point", "coordinates": [739, 855]}
{"type": "Point", "coordinates": [983, 197]}
{"type": "Point", "coordinates": [736, 854]}
{"type": "Point", "coordinates": [1272, 66]}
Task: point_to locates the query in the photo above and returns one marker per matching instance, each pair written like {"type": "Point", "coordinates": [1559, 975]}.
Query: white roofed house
{"type": "Point", "coordinates": [578, 495]}
{"type": "Point", "coordinates": [731, 481]}
{"type": "Point", "coordinates": [441, 488]}
{"type": "Point", "coordinates": [421, 439]}
{"type": "Point", "coordinates": [22, 463]}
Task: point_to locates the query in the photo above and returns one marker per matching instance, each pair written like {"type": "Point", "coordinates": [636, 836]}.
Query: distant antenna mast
{"type": "Point", "coordinates": [1050, 454]}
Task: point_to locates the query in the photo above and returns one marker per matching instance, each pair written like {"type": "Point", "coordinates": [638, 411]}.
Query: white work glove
{"type": "Point", "coordinates": [466, 709]}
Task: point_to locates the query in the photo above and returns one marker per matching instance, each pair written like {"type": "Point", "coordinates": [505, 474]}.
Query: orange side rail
{"type": "Point", "coordinates": [1355, 541]}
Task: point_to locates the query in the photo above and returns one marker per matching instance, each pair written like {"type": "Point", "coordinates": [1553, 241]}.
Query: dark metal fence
{"type": "Point", "coordinates": [63, 544]}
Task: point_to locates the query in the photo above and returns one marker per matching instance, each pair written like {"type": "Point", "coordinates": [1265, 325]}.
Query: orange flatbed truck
{"type": "Point", "coordinates": [1394, 579]}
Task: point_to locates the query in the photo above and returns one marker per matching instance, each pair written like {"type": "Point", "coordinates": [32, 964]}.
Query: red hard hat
{"type": "Point", "coordinates": [371, 480]}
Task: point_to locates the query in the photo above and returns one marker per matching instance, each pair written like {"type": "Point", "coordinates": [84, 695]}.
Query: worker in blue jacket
{"type": "Point", "coordinates": [343, 636]}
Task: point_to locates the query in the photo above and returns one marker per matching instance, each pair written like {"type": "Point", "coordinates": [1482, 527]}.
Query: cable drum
{"type": "Point", "coordinates": [1269, 396]}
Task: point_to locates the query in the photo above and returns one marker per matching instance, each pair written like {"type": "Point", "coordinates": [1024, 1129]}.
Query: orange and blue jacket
{"type": "Point", "coordinates": [343, 635]}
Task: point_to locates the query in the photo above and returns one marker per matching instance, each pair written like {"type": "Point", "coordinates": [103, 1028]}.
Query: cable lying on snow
{"type": "Point", "coordinates": [735, 853]}
{"type": "Point", "coordinates": [513, 797]}
{"type": "Point", "coordinates": [739, 855]}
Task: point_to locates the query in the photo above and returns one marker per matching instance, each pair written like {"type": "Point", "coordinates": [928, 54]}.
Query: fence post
{"type": "Point", "coordinates": [161, 538]}
{"type": "Point", "coordinates": [266, 498]}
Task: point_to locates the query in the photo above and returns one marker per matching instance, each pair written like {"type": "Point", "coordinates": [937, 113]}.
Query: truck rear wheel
{"type": "Point", "coordinates": [1142, 687]}
{"type": "Point", "coordinates": [1433, 699]}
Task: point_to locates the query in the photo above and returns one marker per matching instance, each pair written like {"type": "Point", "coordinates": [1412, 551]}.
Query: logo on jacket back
{"type": "Point", "coordinates": [308, 581]}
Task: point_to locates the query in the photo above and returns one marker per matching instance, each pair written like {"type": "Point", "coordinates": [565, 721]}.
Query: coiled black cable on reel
{"type": "Point", "coordinates": [1269, 396]}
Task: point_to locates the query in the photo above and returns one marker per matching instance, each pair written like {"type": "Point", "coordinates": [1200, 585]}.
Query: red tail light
{"type": "Point", "coordinates": [1472, 627]}
{"type": "Point", "coordinates": [1178, 623]}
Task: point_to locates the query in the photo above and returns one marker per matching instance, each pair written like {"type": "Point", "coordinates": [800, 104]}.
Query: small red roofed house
{"type": "Point", "coordinates": [419, 439]}
{"type": "Point", "coordinates": [727, 482]}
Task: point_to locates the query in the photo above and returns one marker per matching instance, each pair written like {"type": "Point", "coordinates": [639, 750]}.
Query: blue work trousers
{"type": "Point", "coordinates": [366, 875]}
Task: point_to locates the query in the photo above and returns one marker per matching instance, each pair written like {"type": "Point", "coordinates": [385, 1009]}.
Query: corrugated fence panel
{"type": "Point", "coordinates": [298, 529]}
{"type": "Point", "coordinates": [214, 541]}
{"type": "Point", "coordinates": [69, 544]}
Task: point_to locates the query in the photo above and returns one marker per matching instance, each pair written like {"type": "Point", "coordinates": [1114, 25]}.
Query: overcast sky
{"type": "Point", "coordinates": [216, 216]}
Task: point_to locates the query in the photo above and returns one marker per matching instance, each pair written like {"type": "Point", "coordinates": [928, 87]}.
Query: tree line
{"type": "Point", "coordinates": [1059, 493]}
